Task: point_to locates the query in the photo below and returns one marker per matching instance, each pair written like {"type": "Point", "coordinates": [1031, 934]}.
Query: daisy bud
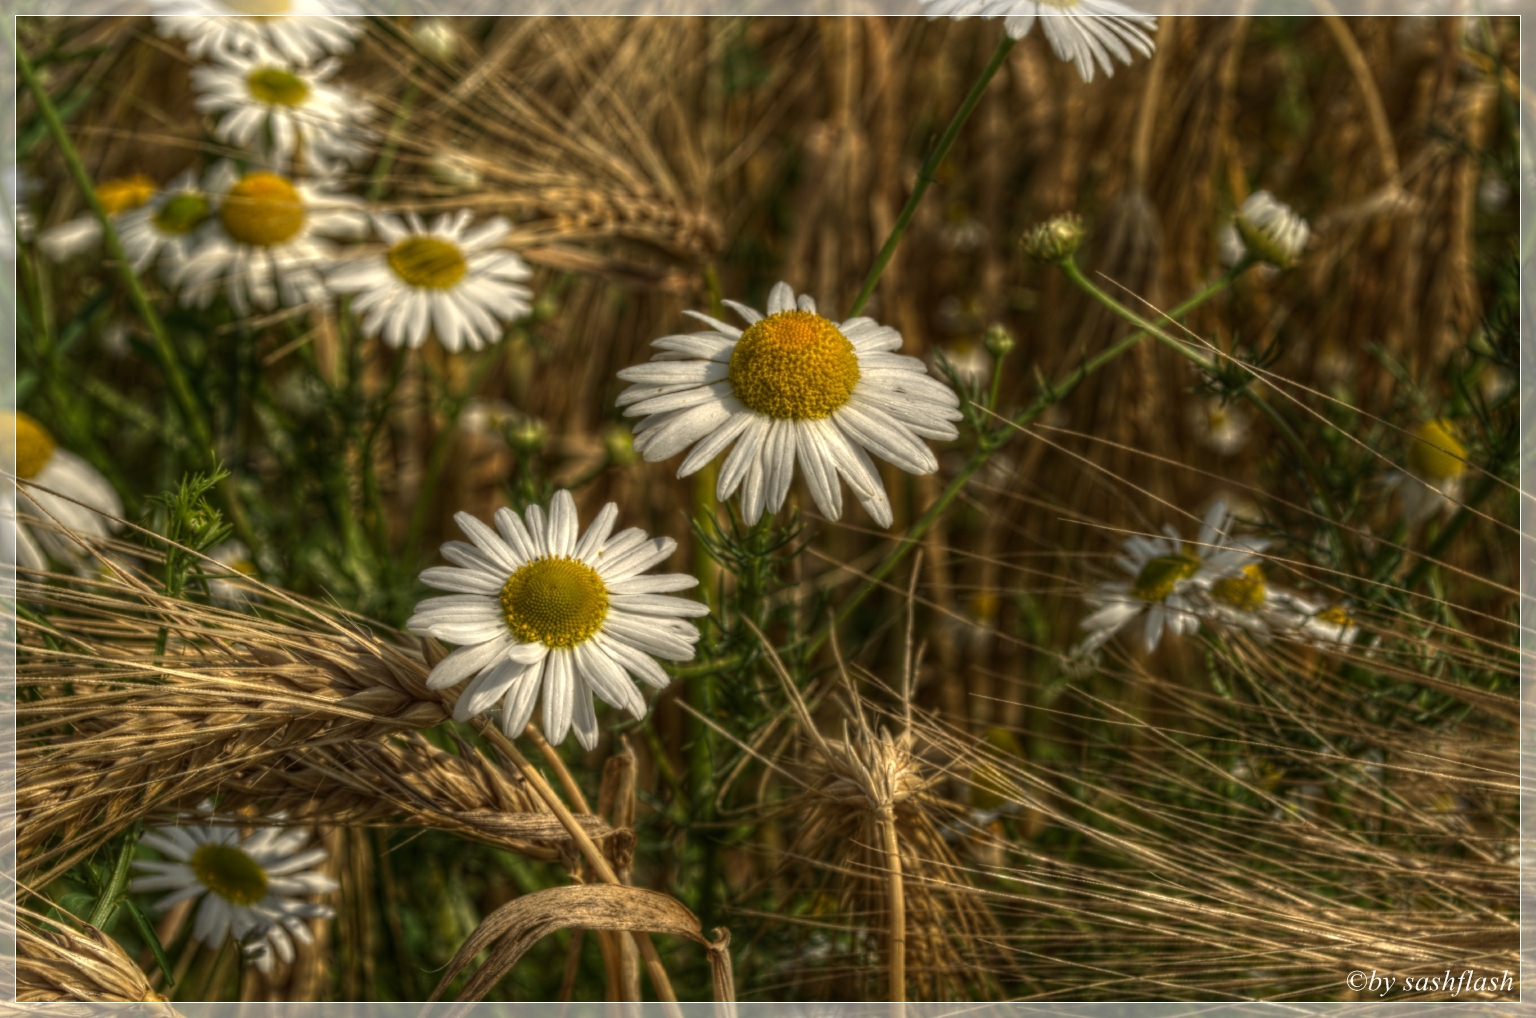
{"type": "Point", "coordinates": [529, 436]}
{"type": "Point", "coordinates": [1271, 231]}
{"type": "Point", "coordinates": [999, 341]}
{"type": "Point", "coordinates": [437, 38]}
{"type": "Point", "coordinates": [619, 444]}
{"type": "Point", "coordinates": [454, 170]}
{"type": "Point", "coordinates": [1054, 240]}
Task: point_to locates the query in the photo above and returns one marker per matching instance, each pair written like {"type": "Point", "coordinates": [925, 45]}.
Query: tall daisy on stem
{"type": "Point", "coordinates": [535, 607]}
{"type": "Point", "coordinates": [447, 279]}
{"type": "Point", "coordinates": [297, 29]}
{"type": "Point", "coordinates": [1090, 33]}
{"type": "Point", "coordinates": [793, 385]}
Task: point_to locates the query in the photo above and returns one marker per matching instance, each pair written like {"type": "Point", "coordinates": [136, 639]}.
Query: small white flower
{"type": "Point", "coordinates": [1219, 426]}
{"type": "Point", "coordinates": [1270, 231]}
{"type": "Point", "coordinates": [250, 888]}
{"type": "Point", "coordinates": [1171, 580]}
{"type": "Point", "coordinates": [792, 385]}
{"type": "Point", "coordinates": [233, 559]}
{"type": "Point", "coordinates": [535, 607]}
{"type": "Point", "coordinates": [1326, 626]}
{"type": "Point", "coordinates": [448, 280]}
{"type": "Point", "coordinates": [83, 233]}
{"type": "Point", "coordinates": [85, 501]}
{"type": "Point", "coordinates": [279, 110]}
{"type": "Point", "coordinates": [1090, 33]}
{"type": "Point", "coordinates": [1437, 465]}
{"type": "Point", "coordinates": [165, 226]}
{"type": "Point", "coordinates": [264, 241]}
{"type": "Point", "coordinates": [296, 29]}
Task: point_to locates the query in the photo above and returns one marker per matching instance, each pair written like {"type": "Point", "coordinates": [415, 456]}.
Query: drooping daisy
{"type": "Point", "coordinates": [791, 386]}
{"type": "Point", "coordinates": [1270, 231]}
{"type": "Point", "coordinates": [250, 888]}
{"type": "Point", "coordinates": [296, 29]}
{"type": "Point", "coordinates": [281, 111]}
{"type": "Point", "coordinates": [78, 498]}
{"type": "Point", "coordinates": [1170, 578]}
{"type": "Point", "coordinates": [1087, 32]}
{"type": "Point", "coordinates": [265, 242]}
{"type": "Point", "coordinates": [535, 607]}
{"type": "Point", "coordinates": [165, 226]}
{"type": "Point", "coordinates": [83, 233]}
{"type": "Point", "coordinates": [1218, 425]}
{"type": "Point", "coordinates": [448, 280]}
{"type": "Point", "coordinates": [1437, 463]}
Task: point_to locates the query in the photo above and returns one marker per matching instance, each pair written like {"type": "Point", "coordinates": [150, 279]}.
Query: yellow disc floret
{"type": "Point", "coordinates": [277, 87]}
{"type": "Point", "coordinates": [1161, 574]}
{"type": "Point", "coordinates": [34, 446]}
{"type": "Point", "coordinates": [260, 8]}
{"type": "Point", "coordinates": [1244, 591]}
{"type": "Point", "coordinates": [1437, 455]}
{"type": "Point", "coordinates": [125, 194]}
{"type": "Point", "coordinates": [182, 214]}
{"type": "Point", "coordinates": [262, 209]}
{"type": "Point", "coordinates": [430, 263]}
{"type": "Point", "coordinates": [558, 602]}
{"type": "Point", "coordinates": [1335, 615]}
{"type": "Point", "coordinates": [794, 365]}
{"type": "Point", "coordinates": [230, 873]}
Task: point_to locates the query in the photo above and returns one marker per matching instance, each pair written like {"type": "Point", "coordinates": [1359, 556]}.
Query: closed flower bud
{"type": "Point", "coordinates": [1054, 240]}
{"type": "Point", "coordinates": [999, 341]}
{"type": "Point", "coordinates": [1271, 231]}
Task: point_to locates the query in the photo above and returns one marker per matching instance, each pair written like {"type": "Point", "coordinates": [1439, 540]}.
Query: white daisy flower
{"type": "Point", "coordinates": [1328, 627]}
{"type": "Point", "coordinates": [1219, 426]}
{"type": "Point", "coordinates": [78, 498]}
{"type": "Point", "coordinates": [1171, 581]}
{"type": "Point", "coordinates": [792, 385]}
{"type": "Point", "coordinates": [233, 560]}
{"type": "Point", "coordinates": [535, 607]}
{"type": "Point", "coordinates": [264, 242]}
{"type": "Point", "coordinates": [164, 227]}
{"type": "Point", "coordinates": [970, 360]}
{"type": "Point", "coordinates": [83, 233]}
{"type": "Point", "coordinates": [1437, 464]}
{"type": "Point", "coordinates": [1090, 33]}
{"type": "Point", "coordinates": [282, 111]}
{"type": "Point", "coordinates": [448, 280]}
{"type": "Point", "coordinates": [297, 29]}
{"type": "Point", "coordinates": [1271, 231]}
{"type": "Point", "coordinates": [250, 888]}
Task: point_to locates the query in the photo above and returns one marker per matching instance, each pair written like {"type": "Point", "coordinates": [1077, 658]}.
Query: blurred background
{"type": "Point", "coordinates": [1224, 819]}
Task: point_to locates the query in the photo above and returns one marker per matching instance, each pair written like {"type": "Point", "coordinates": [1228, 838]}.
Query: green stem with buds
{"type": "Point", "coordinates": [181, 388]}
{"type": "Point", "coordinates": [925, 175]}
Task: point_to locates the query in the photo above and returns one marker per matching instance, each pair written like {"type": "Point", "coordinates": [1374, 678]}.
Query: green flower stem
{"type": "Point", "coordinates": [112, 894]}
{"type": "Point", "coordinates": [1207, 363]}
{"type": "Point", "coordinates": [925, 175]}
{"type": "Point", "coordinates": [990, 441]}
{"type": "Point", "coordinates": [378, 180]}
{"type": "Point", "coordinates": [181, 388]}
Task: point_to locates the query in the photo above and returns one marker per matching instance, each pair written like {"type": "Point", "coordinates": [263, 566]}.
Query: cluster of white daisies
{"type": "Point", "coordinates": [263, 229]}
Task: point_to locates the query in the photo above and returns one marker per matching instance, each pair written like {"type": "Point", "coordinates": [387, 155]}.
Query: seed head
{"type": "Point", "coordinates": [1054, 240]}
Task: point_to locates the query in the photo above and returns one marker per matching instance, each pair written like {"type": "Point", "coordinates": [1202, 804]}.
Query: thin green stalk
{"type": "Point", "coordinates": [106, 905]}
{"type": "Point", "coordinates": [1075, 274]}
{"type": "Point", "coordinates": [925, 175]}
{"type": "Point", "coordinates": [379, 178]}
{"type": "Point", "coordinates": [1448, 533]}
{"type": "Point", "coordinates": [990, 442]}
{"type": "Point", "coordinates": [181, 388]}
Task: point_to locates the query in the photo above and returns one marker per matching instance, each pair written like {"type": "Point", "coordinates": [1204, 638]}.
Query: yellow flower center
{"type": "Point", "coordinates": [794, 365]}
{"type": "Point", "coordinates": [1335, 615]}
{"type": "Point", "coordinates": [430, 263]}
{"type": "Point", "coordinates": [1245, 592]}
{"type": "Point", "coordinates": [276, 87]}
{"type": "Point", "coordinates": [243, 566]}
{"type": "Point", "coordinates": [262, 209]}
{"type": "Point", "coordinates": [259, 8]}
{"type": "Point", "coordinates": [1160, 575]}
{"type": "Point", "coordinates": [34, 446]}
{"type": "Point", "coordinates": [558, 602]}
{"type": "Point", "coordinates": [1437, 455]}
{"type": "Point", "coordinates": [182, 214]}
{"type": "Point", "coordinates": [230, 873]}
{"type": "Point", "coordinates": [125, 194]}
